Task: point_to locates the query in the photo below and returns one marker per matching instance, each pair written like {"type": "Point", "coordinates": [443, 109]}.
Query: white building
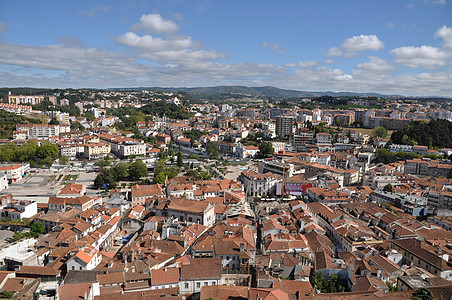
{"type": "Point", "coordinates": [19, 209]}
{"type": "Point", "coordinates": [85, 258]}
{"type": "Point", "coordinates": [14, 173]}
{"type": "Point", "coordinates": [21, 99]}
{"type": "Point", "coordinates": [34, 131]}
{"type": "Point", "coordinates": [257, 184]}
{"type": "Point", "coordinates": [3, 182]}
{"type": "Point", "coordinates": [201, 212]}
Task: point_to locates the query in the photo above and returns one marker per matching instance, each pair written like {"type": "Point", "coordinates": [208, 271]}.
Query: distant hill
{"type": "Point", "coordinates": [225, 92]}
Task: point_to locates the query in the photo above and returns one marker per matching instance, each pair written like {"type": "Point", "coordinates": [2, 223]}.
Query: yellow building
{"type": "Point", "coordinates": [97, 150]}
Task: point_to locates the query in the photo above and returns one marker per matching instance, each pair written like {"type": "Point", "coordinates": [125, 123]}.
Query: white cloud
{"type": "Point", "coordinates": [3, 27]}
{"type": "Point", "coordinates": [446, 34]}
{"type": "Point", "coordinates": [376, 65]}
{"type": "Point", "coordinates": [425, 56]}
{"type": "Point", "coordinates": [362, 42]}
{"type": "Point", "coordinates": [153, 43]}
{"type": "Point", "coordinates": [303, 64]}
{"type": "Point", "coordinates": [70, 59]}
{"type": "Point", "coordinates": [95, 10]}
{"type": "Point", "coordinates": [183, 56]}
{"type": "Point", "coordinates": [355, 44]}
{"type": "Point", "coordinates": [441, 2]}
{"type": "Point", "coordinates": [274, 48]}
{"type": "Point", "coordinates": [155, 24]}
{"type": "Point", "coordinates": [390, 25]}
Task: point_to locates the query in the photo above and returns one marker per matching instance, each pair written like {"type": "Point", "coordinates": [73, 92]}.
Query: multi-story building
{"type": "Point", "coordinates": [323, 138]}
{"type": "Point", "coordinates": [185, 210]}
{"type": "Point", "coordinates": [14, 173]}
{"type": "Point", "coordinates": [124, 146]}
{"type": "Point", "coordinates": [414, 253]}
{"type": "Point", "coordinates": [14, 108]}
{"type": "Point", "coordinates": [21, 99]}
{"type": "Point", "coordinates": [258, 184]}
{"type": "Point", "coordinates": [34, 131]}
{"type": "Point", "coordinates": [62, 204]}
{"type": "Point", "coordinates": [141, 192]}
{"type": "Point", "coordinates": [285, 125]}
{"type": "Point", "coordinates": [19, 209]}
{"type": "Point", "coordinates": [95, 151]}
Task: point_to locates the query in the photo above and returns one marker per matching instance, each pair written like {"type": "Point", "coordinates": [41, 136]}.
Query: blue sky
{"type": "Point", "coordinates": [390, 47]}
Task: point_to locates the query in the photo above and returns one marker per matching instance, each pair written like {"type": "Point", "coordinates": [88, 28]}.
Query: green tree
{"type": "Point", "coordinates": [380, 131]}
{"type": "Point", "coordinates": [265, 150]}
{"type": "Point", "coordinates": [64, 160]}
{"type": "Point", "coordinates": [160, 178]}
{"type": "Point", "coordinates": [180, 161]}
{"type": "Point", "coordinates": [120, 171]}
{"type": "Point", "coordinates": [26, 152]}
{"type": "Point", "coordinates": [47, 150]}
{"type": "Point", "coordinates": [423, 294]}
{"type": "Point", "coordinates": [7, 152]}
{"type": "Point", "coordinates": [138, 170]}
{"type": "Point", "coordinates": [36, 229]}
{"type": "Point", "coordinates": [388, 188]}
{"type": "Point", "coordinates": [6, 294]}
{"type": "Point", "coordinates": [212, 149]}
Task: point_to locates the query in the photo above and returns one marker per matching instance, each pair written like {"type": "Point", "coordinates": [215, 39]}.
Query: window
{"type": "Point", "coordinates": [73, 267]}
{"type": "Point", "coordinates": [80, 268]}
{"type": "Point", "coordinates": [206, 283]}
{"type": "Point", "coordinates": [213, 282]}
{"type": "Point", "coordinates": [227, 257]}
{"type": "Point", "coordinates": [189, 219]}
{"type": "Point", "coordinates": [186, 285]}
{"type": "Point", "coordinates": [198, 285]}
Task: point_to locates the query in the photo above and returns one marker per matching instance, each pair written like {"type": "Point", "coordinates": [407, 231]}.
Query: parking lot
{"type": "Point", "coordinates": [3, 235]}
{"type": "Point", "coordinates": [48, 183]}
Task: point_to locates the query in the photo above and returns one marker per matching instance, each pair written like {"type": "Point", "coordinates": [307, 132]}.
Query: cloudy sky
{"type": "Point", "coordinates": [385, 46]}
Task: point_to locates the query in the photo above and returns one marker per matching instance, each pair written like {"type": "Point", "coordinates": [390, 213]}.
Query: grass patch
{"type": "Point", "coordinates": [52, 178]}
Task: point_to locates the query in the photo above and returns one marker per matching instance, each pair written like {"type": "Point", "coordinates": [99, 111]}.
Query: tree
{"type": "Point", "coordinates": [180, 162]}
{"type": "Point", "coordinates": [7, 152]}
{"type": "Point", "coordinates": [212, 149]}
{"type": "Point", "coordinates": [423, 294]}
{"type": "Point", "coordinates": [36, 229]}
{"type": "Point", "coordinates": [64, 160]}
{"type": "Point", "coordinates": [6, 294]}
{"type": "Point", "coordinates": [388, 188]}
{"type": "Point", "coordinates": [120, 171]}
{"type": "Point", "coordinates": [26, 152]}
{"type": "Point", "coordinates": [47, 150]}
{"type": "Point", "coordinates": [137, 170]}
{"type": "Point", "coordinates": [265, 150]}
{"type": "Point", "coordinates": [54, 122]}
{"type": "Point", "coordinates": [380, 131]}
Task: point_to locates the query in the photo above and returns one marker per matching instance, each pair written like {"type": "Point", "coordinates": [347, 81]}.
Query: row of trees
{"type": "Point", "coordinates": [108, 177]}
{"type": "Point", "coordinates": [44, 154]}
{"type": "Point", "coordinates": [434, 134]}
{"type": "Point", "coordinates": [385, 156]}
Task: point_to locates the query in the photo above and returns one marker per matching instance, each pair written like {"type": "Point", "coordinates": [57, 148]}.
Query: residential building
{"type": "Point", "coordinates": [257, 184]}
{"type": "Point", "coordinates": [96, 151]}
{"type": "Point", "coordinates": [15, 173]}
{"type": "Point", "coordinates": [200, 272]}
{"type": "Point", "coordinates": [21, 99]}
{"type": "Point", "coordinates": [19, 209]}
{"type": "Point", "coordinates": [284, 125]}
